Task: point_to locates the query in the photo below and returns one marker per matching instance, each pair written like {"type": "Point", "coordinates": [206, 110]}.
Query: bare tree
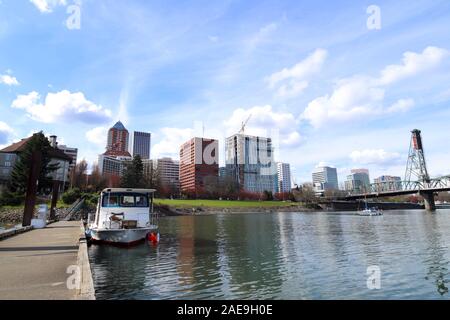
{"type": "Point", "coordinates": [79, 175]}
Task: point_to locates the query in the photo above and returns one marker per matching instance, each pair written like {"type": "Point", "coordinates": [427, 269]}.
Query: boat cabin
{"type": "Point", "coordinates": [122, 208]}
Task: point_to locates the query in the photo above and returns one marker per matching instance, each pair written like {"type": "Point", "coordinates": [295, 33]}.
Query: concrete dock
{"type": "Point", "coordinates": [38, 264]}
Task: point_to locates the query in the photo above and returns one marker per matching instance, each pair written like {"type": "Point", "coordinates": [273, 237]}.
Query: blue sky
{"type": "Point", "coordinates": [311, 73]}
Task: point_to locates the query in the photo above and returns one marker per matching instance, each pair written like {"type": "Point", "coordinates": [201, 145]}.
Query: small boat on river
{"type": "Point", "coordinates": [124, 217]}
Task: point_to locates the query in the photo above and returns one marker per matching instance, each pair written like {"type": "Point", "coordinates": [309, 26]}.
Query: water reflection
{"type": "Point", "coordinates": [282, 256]}
{"type": "Point", "coordinates": [436, 254]}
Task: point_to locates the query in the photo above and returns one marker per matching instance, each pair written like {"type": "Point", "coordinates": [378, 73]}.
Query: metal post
{"type": "Point", "coordinates": [55, 193]}
{"type": "Point", "coordinates": [30, 199]}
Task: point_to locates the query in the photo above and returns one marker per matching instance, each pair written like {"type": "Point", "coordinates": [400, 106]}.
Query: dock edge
{"type": "Point", "coordinates": [86, 290]}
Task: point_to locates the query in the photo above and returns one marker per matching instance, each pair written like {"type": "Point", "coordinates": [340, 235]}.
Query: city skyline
{"type": "Point", "coordinates": [328, 89]}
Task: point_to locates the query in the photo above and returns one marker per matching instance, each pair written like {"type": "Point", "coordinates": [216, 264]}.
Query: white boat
{"type": "Point", "coordinates": [370, 212]}
{"type": "Point", "coordinates": [123, 217]}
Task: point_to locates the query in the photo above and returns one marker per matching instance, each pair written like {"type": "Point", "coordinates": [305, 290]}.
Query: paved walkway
{"type": "Point", "coordinates": [33, 265]}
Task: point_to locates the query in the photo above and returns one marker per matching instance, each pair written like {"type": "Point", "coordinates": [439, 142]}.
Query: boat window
{"type": "Point", "coordinates": [110, 201]}
{"type": "Point", "coordinates": [141, 201]}
{"type": "Point", "coordinates": [125, 200]}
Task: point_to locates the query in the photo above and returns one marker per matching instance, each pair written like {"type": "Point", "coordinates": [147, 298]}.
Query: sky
{"type": "Point", "coordinates": [338, 83]}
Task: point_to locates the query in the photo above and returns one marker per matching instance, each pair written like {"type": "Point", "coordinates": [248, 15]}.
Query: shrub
{"type": "Point", "coordinates": [91, 199]}
{"type": "Point", "coordinates": [71, 196]}
{"type": "Point", "coordinates": [9, 198]}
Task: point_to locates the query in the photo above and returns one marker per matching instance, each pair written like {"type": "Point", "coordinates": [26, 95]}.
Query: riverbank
{"type": "Point", "coordinates": [14, 215]}
{"type": "Point", "coordinates": [189, 207]}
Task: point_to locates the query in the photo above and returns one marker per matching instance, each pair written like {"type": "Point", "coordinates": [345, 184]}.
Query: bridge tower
{"type": "Point", "coordinates": [416, 168]}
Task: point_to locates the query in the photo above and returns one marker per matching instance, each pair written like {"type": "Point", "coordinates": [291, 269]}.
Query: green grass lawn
{"type": "Point", "coordinates": [221, 203]}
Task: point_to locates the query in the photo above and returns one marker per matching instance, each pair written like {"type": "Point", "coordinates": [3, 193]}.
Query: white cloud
{"type": "Point", "coordinates": [261, 35]}
{"type": "Point", "coordinates": [169, 144]}
{"type": "Point", "coordinates": [413, 63]}
{"type": "Point", "coordinates": [293, 80]}
{"type": "Point", "coordinates": [352, 98]}
{"type": "Point", "coordinates": [324, 164]}
{"type": "Point", "coordinates": [362, 96]}
{"type": "Point", "coordinates": [265, 122]}
{"type": "Point", "coordinates": [47, 6]}
{"type": "Point", "coordinates": [8, 80]}
{"type": "Point", "coordinates": [5, 132]}
{"type": "Point", "coordinates": [402, 105]}
{"type": "Point", "coordinates": [98, 136]}
{"type": "Point", "coordinates": [374, 156]}
{"type": "Point", "coordinates": [292, 139]}
{"type": "Point", "coordinates": [61, 106]}
{"type": "Point", "coordinates": [292, 89]}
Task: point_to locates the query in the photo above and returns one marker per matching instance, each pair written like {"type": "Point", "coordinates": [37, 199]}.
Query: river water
{"type": "Point", "coordinates": [283, 256]}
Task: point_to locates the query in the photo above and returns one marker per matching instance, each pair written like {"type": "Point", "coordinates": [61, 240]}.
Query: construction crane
{"type": "Point", "coordinates": [244, 124]}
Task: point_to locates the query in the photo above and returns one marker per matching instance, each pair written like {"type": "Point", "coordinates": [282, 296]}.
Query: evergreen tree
{"type": "Point", "coordinates": [21, 170]}
{"type": "Point", "coordinates": [133, 175]}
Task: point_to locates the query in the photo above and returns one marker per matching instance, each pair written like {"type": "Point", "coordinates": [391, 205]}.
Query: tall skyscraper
{"type": "Point", "coordinates": [325, 178]}
{"type": "Point", "coordinates": [141, 144]}
{"type": "Point", "coordinates": [249, 160]}
{"type": "Point", "coordinates": [168, 173]}
{"type": "Point", "coordinates": [117, 145]}
{"type": "Point", "coordinates": [284, 177]}
{"type": "Point", "coordinates": [199, 161]}
{"type": "Point", "coordinates": [358, 181]}
{"type": "Point", "coordinates": [113, 161]}
{"type": "Point", "coordinates": [388, 183]}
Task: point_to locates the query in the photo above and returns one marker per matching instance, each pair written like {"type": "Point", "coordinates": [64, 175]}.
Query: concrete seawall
{"type": "Point", "coordinates": [86, 289]}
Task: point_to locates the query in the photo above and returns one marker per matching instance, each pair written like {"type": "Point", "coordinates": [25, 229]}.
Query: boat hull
{"type": "Point", "coordinates": [121, 236]}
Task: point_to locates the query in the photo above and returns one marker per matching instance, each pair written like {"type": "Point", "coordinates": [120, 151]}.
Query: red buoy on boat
{"type": "Point", "coordinates": [153, 238]}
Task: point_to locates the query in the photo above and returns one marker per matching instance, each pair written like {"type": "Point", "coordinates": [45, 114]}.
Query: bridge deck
{"type": "Point", "coordinates": [392, 193]}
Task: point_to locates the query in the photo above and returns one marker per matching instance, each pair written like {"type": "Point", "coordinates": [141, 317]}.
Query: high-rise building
{"type": "Point", "coordinates": [199, 164]}
{"type": "Point", "coordinates": [358, 181]}
{"type": "Point", "coordinates": [168, 173]}
{"type": "Point", "coordinates": [118, 138]}
{"type": "Point", "coordinates": [113, 161]}
{"type": "Point", "coordinates": [250, 161]}
{"type": "Point", "coordinates": [141, 144]}
{"type": "Point", "coordinates": [388, 183]}
{"type": "Point", "coordinates": [113, 166]}
{"type": "Point", "coordinates": [284, 177]}
{"type": "Point", "coordinates": [325, 179]}
{"type": "Point", "coordinates": [71, 152]}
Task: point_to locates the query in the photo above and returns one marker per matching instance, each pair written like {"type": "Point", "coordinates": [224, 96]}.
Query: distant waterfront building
{"type": "Point", "coordinates": [112, 166]}
{"type": "Point", "coordinates": [168, 173]}
{"type": "Point", "coordinates": [284, 177]}
{"type": "Point", "coordinates": [148, 167]}
{"type": "Point", "coordinates": [250, 162]}
{"type": "Point", "coordinates": [141, 144]}
{"type": "Point", "coordinates": [325, 179]}
{"type": "Point", "coordinates": [199, 163]}
{"type": "Point", "coordinates": [118, 139]}
{"type": "Point", "coordinates": [73, 154]}
{"type": "Point", "coordinates": [358, 181]}
{"type": "Point", "coordinates": [388, 183]}
{"type": "Point", "coordinates": [10, 154]}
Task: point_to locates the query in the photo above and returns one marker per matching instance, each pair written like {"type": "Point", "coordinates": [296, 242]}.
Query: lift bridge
{"type": "Point", "coordinates": [417, 179]}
